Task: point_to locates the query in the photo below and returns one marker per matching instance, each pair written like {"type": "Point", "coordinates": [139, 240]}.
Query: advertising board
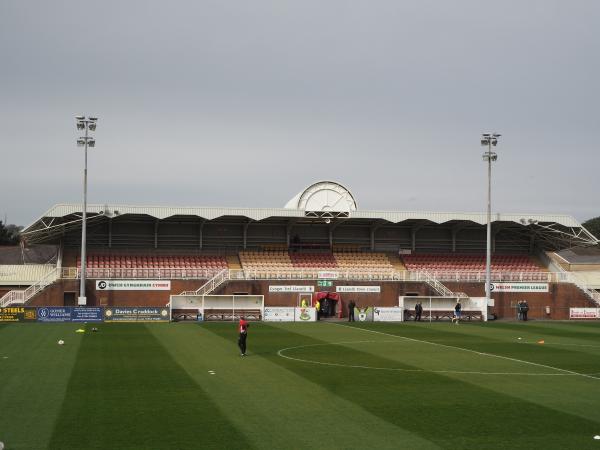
{"type": "Point", "coordinates": [133, 285]}
{"type": "Point", "coordinates": [69, 314]}
{"type": "Point", "coordinates": [18, 314]}
{"type": "Point", "coordinates": [584, 313]}
{"type": "Point", "coordinates": [279, 314]}
{"type": "Point", "coordinates": [388, 314]}
{"type": "Point", "coordinates": [135, 314]}
{"type": "Point", "coordinates": [305, 314]}
{"type": "Point", "coordinates": [519, 287]}
{"type": "Point", "coordinates": [281, 288]}
{"type": "Point", "coordinates": [359, 289]}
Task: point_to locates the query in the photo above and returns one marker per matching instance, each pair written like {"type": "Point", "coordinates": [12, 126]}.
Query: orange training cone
{"type": "Point", "coordinates": [541, 341]}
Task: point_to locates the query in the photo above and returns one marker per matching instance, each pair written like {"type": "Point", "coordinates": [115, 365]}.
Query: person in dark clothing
{"type": "Point", "coordinates": [520, 310]}
{"type": "Point", "coordinates": [351, 307]}
{"type": "Point", "coordinates": [457, 312]}
{"type": "Point", "coordinates": [243, 329]}
{"type": "Point", "coordinates": [418, 312]}
{"type": "Point", "coordinates": [524, 309]}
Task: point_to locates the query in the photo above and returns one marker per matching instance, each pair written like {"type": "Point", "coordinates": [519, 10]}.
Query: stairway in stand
{"type": "Point", "coordinates": [396, 262]}
{"type": "Point", "coordinates": [233, 261]}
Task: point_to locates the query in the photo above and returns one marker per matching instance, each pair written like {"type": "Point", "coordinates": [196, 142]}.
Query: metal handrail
{"type": "Point", "coordinates": [140, 273]}
{"type": "Point", "coordinates": [310, 274]}
{"type": "Point", "coordinates": [22, 296]}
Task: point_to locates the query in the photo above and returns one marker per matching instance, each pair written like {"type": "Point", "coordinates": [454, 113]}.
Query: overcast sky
{"type": "Point", "coordinates": [245, 103]}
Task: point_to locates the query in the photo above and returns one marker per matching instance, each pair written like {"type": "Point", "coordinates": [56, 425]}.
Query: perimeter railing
{"type": "Point", "coordinates": [16, 297]}
{"type": "Point", "coordinates": [155, 273]}
{"type": "Point", "coordinates": [316, 274]}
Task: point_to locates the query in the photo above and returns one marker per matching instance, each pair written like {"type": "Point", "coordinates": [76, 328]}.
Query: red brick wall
{"type": "Point", "coordinates": [387, 297]}
{"type": "Point", "coordinates": [559, 298]}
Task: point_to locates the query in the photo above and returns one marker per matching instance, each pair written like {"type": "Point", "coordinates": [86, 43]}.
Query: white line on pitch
{"type": "Point", "coordinates": [472, 351]}
{"type": "Point", "coordinates": [398, 369]}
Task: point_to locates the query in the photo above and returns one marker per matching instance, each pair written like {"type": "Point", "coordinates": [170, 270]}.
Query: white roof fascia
{"type": "Point", "coordinates": [210, 213]}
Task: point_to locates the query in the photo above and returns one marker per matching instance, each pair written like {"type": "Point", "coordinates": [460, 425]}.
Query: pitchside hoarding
{"type": "Point", "coordinates": [279, 314]}
{"type": "Point", "coordinates": [305, 315]}
{"type": "Point", "coordinates": [134, 314]}
{"type": "Point", "coordinates": [18, 314]}
{"type": "Point", "coordinates": [363, 314]}
{"type": "Point", "coordinates": [69, 314]}
{"type": "Point", "coordinates": [584, 313]}
{"type": "Point", "coordinates": [133, 285]}
{"type": "Point", "coordinates": [388, 314]}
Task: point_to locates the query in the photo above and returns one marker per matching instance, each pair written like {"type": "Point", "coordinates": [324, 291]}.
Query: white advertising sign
{"type": "Point", "coordinates": [133, 285]}
{"type": "Point", "coordinates": [584, 313]}
{"type": "Point", "coordinates": [278, 288]}
{"type": "Point", "coordinates": [328, 275]}
{"type": "Point", "coordinates": [279, 314]}
{"type": "Point", "coordinates": [519, 287]}
{"type": "Point", "coordinates": [305, 315]}
{"type": "Point", "coordinates": [359, 289]}
{"type": "Point", "coordinates": [388, 314]}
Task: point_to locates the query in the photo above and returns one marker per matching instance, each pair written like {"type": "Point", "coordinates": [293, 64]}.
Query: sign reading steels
{"type": "Point", "coordinates": [133, 285]}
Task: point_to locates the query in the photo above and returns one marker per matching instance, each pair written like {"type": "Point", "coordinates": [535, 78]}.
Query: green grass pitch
{"type": "Point", "coordinates": [317, 385]}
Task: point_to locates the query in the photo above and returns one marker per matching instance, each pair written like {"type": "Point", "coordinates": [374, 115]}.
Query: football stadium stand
{"type": "Point", "coordinates": [320, 239]}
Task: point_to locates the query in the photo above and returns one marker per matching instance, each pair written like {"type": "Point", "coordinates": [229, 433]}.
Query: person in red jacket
{"type": "Point", "coordinates": [243, 329]}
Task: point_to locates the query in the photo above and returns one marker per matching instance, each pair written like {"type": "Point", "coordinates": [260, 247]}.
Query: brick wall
{"type": "Point", "coordinates": [559, 298]}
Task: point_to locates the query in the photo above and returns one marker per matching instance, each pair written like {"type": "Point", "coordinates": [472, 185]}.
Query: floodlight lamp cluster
{"type": "Point", "coordinates": [88, 124]}
{"type": "Point", "coordinates": [490, 138]}
{"type": "Point", "coordinates": [530, 221]}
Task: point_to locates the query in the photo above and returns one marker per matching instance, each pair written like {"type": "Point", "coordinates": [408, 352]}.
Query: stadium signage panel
{"type": "Point", "coordinates": [133, 285]}
{"type": "Point", "coordinates": [54, 314]}
{"type": "Point", "coordinates": [388, 314]}
{"type": "Point", "coordinates": [359, 289]}
{"type": "Point", "coordinates": [90, 314]}
{"type": "Point", "coordinates": [134, 314]}
{"type": "Point", "coordinates": [305, 314]}
{"type": "Point", "coordinates": [328, 275]}
{"type": "Point", "coordinates": [584, 313]}
{"type": "Point", "coordinates": [69, 314]}
{"type": "Point", "coordinates": [363, 314]}
{"type": "Point", "coordinates": [280, 288]}
{"type": "Point", "coordinates": [279, 314]}
{"type": "Point", "coordinates": [18, 314]}
{"type": "Point", "coordinates": [520, 287]}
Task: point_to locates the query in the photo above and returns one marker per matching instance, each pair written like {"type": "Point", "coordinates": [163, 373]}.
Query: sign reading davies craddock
{"type": "Point", "coordinates": [133, 285]}
{"type": "Point", "coordinates": [134, 314]}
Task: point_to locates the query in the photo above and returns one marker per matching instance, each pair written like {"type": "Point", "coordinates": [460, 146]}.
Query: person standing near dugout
{"type": "Point", "coordinates": [351, 307]}
{"type": "Point", "coordinates": [243, 329]}
{"type": "Point", "coordinates": [418, 311]}
{"type": "Point", "coordinates": [457, 312]}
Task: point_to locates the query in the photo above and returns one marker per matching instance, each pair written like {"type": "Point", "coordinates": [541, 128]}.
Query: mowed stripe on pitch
{"type": "Point", "coordinates": [451, 410]}
{"type": "Point", "coordinates": [570, 393]}
{"type": "Point", "coordinates": [126, 392]}
{"type": "Point", "coordinates": [34, 373]}
{"type": "Point", "coordinates": [273, 406]}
